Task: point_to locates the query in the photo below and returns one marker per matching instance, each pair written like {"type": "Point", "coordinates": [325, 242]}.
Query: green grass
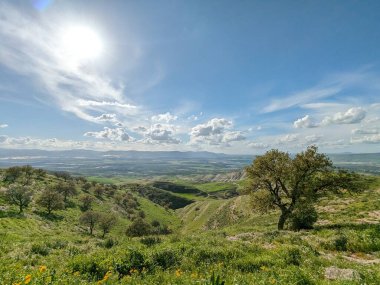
{"type": "Point", "coordinates": [220, 237]}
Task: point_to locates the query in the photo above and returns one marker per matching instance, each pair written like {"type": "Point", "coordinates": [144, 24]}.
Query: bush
{"type": "Point", "coordinates": [166, 258]}
{"type": "Point", "coordinates": [254, 264]}
{"type": "Point", "coordinates": [138, 228]}
{"type": "Point", "coordinates": [150, 241]}
{"type": "Point", "coordinates": [303, 217]}
{"type": "Point", "coordinates": [93, 267]}
{"type": "Point", "coordinates": [108, 243]}
{"type": "Point", "coordinates": [40, 249]}
{"type": "Point", "coordinates": [133, 260]}
{"type": "Point", "coordinates": [340, 243]}
{"type": "Point", "coordinates": [293, 256]}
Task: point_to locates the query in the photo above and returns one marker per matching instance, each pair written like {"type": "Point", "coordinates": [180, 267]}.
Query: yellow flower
{"type": "Point", "coordinates": [272, 281]}
{"type": "Point", "coordinates": [28, 278]}
{"type": "Point", "coordinates": [264, 268]}
{"type": "Point", "coordinates": [108, 274]}
{"type": "Point", "coordinates": [76, 273]}
{"type": "Point", "coordinates": [178, 272]}
{"type": "Point", "coordinates": [194, 275]}
{"type": "Point", "coordinates": [42, 268]}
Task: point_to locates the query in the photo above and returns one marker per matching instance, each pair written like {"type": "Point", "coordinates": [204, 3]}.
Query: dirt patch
{"type": "Point", "coordinates": [335, 273]}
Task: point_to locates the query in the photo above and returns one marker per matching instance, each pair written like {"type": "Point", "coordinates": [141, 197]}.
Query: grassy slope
{"type": "Point", "coordinates": [240, 246]}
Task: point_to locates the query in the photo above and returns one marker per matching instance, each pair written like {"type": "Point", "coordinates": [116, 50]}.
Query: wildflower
{"type": "Point", "coordinates": [194, 275]}
{"type": "Point", "coordinates": [272, 281]}
{"type": "Point", "coordinates": [28, 278]}
{"type": "Point", "coordinates": [107, 275]}
{"type": "Point", "coordinates": [264, 268]}
{"type": "Point", "coordinates": [42, 268]}
{"type": "Point", "coordinates": [178, 272]}
{"type": "Point", "coordinates": [76, 273]}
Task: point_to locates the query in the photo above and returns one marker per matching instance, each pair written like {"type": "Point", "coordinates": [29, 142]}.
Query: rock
{"type": "Point", "coordinates": [334, 273]}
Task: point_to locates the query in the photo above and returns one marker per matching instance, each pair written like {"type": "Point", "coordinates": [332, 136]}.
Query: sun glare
{"type": "Point", "coordinates": [80, 43]}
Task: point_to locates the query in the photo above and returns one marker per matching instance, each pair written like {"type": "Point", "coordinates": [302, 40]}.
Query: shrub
{"type": "Point", "coordinates": [252, 264]}
{"type": "Point", "coordinates": [150, 241]}
{"type": "Point", "coordinates": [303, 217]}
{"type": "Point", "coordinates": [139, 227]}
{"type": "Point", "coordinates": [133, 260]}
{"type": "Point", "coordinates": [40, 249]}
{"type": "Point", "coordinates": [166, 258]}
{"type": "Point", "coordinates": [293, 256]}
{"type": "Point", "coordinates": [109, 243]}
{"type": "Point", "coordinates": [340, 243]}
{"type": "Point", "coordinates": [93, 267]}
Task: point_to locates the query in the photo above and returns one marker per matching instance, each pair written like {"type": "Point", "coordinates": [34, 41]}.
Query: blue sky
{"type": "Point", "coordinates": [224, 76]}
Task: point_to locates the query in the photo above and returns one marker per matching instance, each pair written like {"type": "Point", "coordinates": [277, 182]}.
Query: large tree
{"type": "Point", "coordinates": [286, 182]}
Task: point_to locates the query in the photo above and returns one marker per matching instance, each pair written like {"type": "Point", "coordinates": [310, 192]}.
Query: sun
{"type": "Point", "coordinates": [81, 44]}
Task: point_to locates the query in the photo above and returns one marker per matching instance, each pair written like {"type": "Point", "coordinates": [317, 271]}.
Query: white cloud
{"type": "Point", "coordinates": [366, 131]}
{"type": "Point", "coordinates": [3, 126]}
{"type": "Point", "coordinates": [305, 122]}
{"type": "Point", "coordinates": [351, 116]}
{"type": "Point", "coordinates": [320, 105]}
{"type": "Point", "coordinates": [161, 133]}
{"type": "Point", "coordinates": [167, 118]}
{"type": "Point", "coordinates": [313, 139]}
{"type": "Point", "coordinates": [116, 134]}
{"type": "Point", "coordinates": [233, 136]}
{"type": "Point", "coordinates": [288, 138]}
{"type": "Point", "coordinates": [371, 139]}
{"type": "Point", "coordinates": [258, 145]}
{"type": "Point", "coordinates": [213, 127]}
{"type": "Point", "coordinates": [215, 132]}
{"type": "Point", "coordinates": [302, 97]}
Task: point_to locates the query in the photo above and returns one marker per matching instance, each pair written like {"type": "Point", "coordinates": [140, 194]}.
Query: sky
{"type": "Point", "coordinates": [238, 77]}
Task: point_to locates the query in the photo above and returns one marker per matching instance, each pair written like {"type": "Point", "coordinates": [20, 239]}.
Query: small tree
{"type": "Point", "coordinates": [19, 195]}
{"type": "Point", "coordinates": [278, 180]}
{"type": "Point", "coordinates": [51, 200]}
{"type": "Point", "coordinates": [98, 191]}
{"type": "Point", "coordinates": [89, 219]}
{"type": "Point", "coordinates": [66, 189]}
{"type": "Point", "coordinates": [86, 202]}
{"type": "Point", "coordinates": [106, 223]}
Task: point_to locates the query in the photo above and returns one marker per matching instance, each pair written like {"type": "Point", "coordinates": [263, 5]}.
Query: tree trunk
{"type": "Point", "coordinates": [281, 222]}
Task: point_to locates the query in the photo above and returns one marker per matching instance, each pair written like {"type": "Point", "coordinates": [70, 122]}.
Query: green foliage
{"type": "Point", "coordinates": [107, 222]}
{"type": "Point", "coordinates": [340, 243]}
{"type": "Point", "coordinates": [19, 195]}
{"type": "Point", "coordinates": [215, 280]}
{"type": "Point", "coordinates": [150, 240]}
{"type": "Point", "coordinates": [291, 181]}
{"type": "Point", "coordinates": [90, 219]}
{"type": "Point", "coordinates": [51, 200]}
{"type": "Point", "coordinates": [303, 217]}
{"type": "Point", "coordinates": [129, 262]}
{"type": "Point", "coordinates": [66, 189]}
{"type": "Point", "coordinates": [166, 258]}
{"type": "Point", "coordinates": [86, 202]}
{"type": "Point", "coordinates": [139, 227]}
{"type": "Point", "coordinates": [41, 249]}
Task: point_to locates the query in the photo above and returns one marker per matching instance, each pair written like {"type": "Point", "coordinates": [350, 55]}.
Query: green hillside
{"type": "Point", "coordinates": [210, 237]}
